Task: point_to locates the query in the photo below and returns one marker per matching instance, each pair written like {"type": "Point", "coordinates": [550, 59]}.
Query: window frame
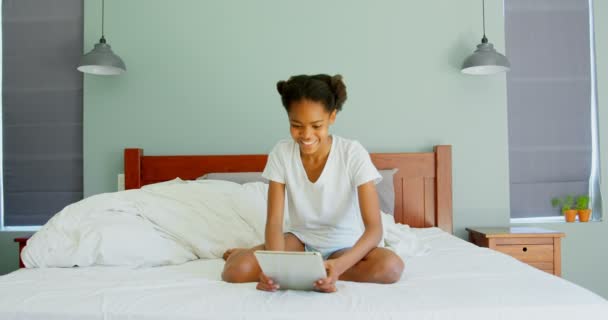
{"type": "Point", "coordinates": [594, 190]}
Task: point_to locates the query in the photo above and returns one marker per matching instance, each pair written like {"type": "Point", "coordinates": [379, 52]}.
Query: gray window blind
{"type": "Point", "coordinates": [41, 108]}
{"type": "Point", "coordinates": [549, 92]}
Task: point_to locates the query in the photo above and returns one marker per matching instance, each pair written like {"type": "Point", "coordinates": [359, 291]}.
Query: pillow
{"type": "Point", "coordinates": [386, 191]}
{"type": "Point", "coordinates": [385, 188]}
{"type": "Point", "coordinates": [237, 177]}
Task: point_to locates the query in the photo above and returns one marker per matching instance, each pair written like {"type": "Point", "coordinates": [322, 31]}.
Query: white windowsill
{"type": "Point", "coordinates": [556, 219]}
{"type": "Point", "coordinates": [23, 228]}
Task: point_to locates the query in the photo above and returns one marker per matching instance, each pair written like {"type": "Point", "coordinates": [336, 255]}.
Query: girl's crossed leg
{"type": "Point", "coordinates": [380, 265]}
{"type": "Point", "coordinates": [242, 266]}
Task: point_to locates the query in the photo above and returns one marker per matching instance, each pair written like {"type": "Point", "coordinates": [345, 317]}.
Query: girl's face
{"type": "Point", "coordinates": [309, 125]}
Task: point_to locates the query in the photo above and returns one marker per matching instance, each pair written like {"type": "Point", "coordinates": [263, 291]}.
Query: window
{"type": "Point", "coordinates": [41, 109]}
{"type": "Point", "coordinates": [553, 135]}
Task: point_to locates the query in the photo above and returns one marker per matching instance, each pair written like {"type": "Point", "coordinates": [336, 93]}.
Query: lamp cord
{"type": "Point", "coordinates": [103, 38]}
{"type": "Point", "coordinates": [483, 15]}
{"type": "Point", "coordinates": [102, 16]}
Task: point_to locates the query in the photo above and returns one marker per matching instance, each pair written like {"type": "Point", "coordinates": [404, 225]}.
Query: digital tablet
{"type": "Point", "coordinates": [292, 270]}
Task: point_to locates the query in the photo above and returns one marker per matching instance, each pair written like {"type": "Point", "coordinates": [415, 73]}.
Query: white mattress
{"type": "Point", "coordinates": [456, 280]}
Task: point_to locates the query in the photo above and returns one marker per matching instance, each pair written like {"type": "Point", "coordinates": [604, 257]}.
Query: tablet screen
{"type": "Point", "coordinates": [292, 270]}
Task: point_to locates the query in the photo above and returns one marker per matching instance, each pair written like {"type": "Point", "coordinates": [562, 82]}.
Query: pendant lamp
{"type": "Point", "coordinates": [485, 60]}
{"type": "Point", "coordinates": [101, 60]}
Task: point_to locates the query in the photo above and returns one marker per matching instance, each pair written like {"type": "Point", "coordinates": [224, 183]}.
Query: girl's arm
{"type": "Point", "coordinates": [274, 239]}
{"type": "Point", "coordinates": [370, 212]}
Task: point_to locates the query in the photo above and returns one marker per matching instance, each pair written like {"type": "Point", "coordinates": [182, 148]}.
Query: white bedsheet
{"type": "Point", "coordinates": [456, 280]}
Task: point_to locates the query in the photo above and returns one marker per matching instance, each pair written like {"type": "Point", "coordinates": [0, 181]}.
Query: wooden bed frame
{"type": "Point", "coordinates": [423, 184]}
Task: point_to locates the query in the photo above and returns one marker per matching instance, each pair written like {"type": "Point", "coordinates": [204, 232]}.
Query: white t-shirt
{"type": "Point", "coordinates": [324, 214]}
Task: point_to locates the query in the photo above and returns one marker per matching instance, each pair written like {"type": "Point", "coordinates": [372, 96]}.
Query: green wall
{"type": "Point", "coordinates": [201, 80]}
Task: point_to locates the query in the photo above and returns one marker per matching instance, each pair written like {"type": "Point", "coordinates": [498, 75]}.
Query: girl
{"type": "Point", "coordinates": [330, 187]}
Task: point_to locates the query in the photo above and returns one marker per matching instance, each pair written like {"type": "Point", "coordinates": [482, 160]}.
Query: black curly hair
{"type": "Point", "coordinates": [323, 88]}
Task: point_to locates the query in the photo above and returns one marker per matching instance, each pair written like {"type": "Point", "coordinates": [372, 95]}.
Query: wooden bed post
{"type": "Point", "coordinates": [443, 154]}
{"type": "Point", "coordinates": [133, 168]}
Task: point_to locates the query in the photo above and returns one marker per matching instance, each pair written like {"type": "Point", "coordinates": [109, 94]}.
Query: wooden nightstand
{"type": "Point", "coordinates": [540, 248]}
{"type": "Point", "coordinates": [22, 242]}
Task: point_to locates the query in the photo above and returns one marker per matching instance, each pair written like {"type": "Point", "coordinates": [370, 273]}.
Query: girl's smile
{"type": "Point", "coordinates": [309, 127]}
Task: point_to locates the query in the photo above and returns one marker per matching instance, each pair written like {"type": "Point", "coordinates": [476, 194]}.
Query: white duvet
{"type": "Point", "coordinates": [165, 224]}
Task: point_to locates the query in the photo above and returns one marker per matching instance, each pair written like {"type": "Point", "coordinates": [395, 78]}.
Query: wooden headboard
{"type": "Point", "coordinates": [423, 184]}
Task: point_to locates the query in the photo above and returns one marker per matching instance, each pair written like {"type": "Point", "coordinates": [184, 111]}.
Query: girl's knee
{"type": "Point", "coordinates": [389, 270]}
{"type": "Point", "coordinates": [241, 271]}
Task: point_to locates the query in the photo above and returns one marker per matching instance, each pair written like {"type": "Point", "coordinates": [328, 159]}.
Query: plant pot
{"type": "Point", "coordinates": [570, 215]}
{"type": "Point", "coordinates": [584, 215]}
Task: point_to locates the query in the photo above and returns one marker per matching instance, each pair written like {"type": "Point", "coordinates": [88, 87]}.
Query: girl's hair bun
{"type": "Point", "coordinates": [281, 86]}
{"type": "Point", "coordinates": [339, 89]}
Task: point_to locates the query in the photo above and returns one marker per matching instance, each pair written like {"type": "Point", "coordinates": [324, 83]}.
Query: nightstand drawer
{"type": "Point", "coordinates": [529, 252]}
{"type": "Point", "coordinates": [529, 241]}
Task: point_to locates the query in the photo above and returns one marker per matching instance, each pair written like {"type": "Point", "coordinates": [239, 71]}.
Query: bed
{"type": "Point", "coordinates": [454, 280]}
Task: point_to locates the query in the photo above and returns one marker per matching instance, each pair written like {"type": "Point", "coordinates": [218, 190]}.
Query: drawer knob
{"type": "Point", "coordinates": [524, 249]}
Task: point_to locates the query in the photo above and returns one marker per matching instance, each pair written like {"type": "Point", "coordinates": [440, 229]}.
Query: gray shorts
{"type": "Point", "coordinates": [324, 253]}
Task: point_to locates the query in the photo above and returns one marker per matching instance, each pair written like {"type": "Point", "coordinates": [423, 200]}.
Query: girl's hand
{"type": "Point", "coordinates": [328, 284]}
{"type": "Point", "coordinates": [266, 284]}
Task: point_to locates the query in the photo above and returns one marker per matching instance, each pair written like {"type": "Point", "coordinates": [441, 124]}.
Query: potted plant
{"type": "Point", "coordinates": [582, 206]}
{"type": "Point", "coordinates": [565, 204]}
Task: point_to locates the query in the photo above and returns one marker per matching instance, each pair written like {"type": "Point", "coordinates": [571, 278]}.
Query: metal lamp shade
{"type": "Point", "coordinates": [485, 60]}
{"type": "Point", "coordinates": [102, 61]}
